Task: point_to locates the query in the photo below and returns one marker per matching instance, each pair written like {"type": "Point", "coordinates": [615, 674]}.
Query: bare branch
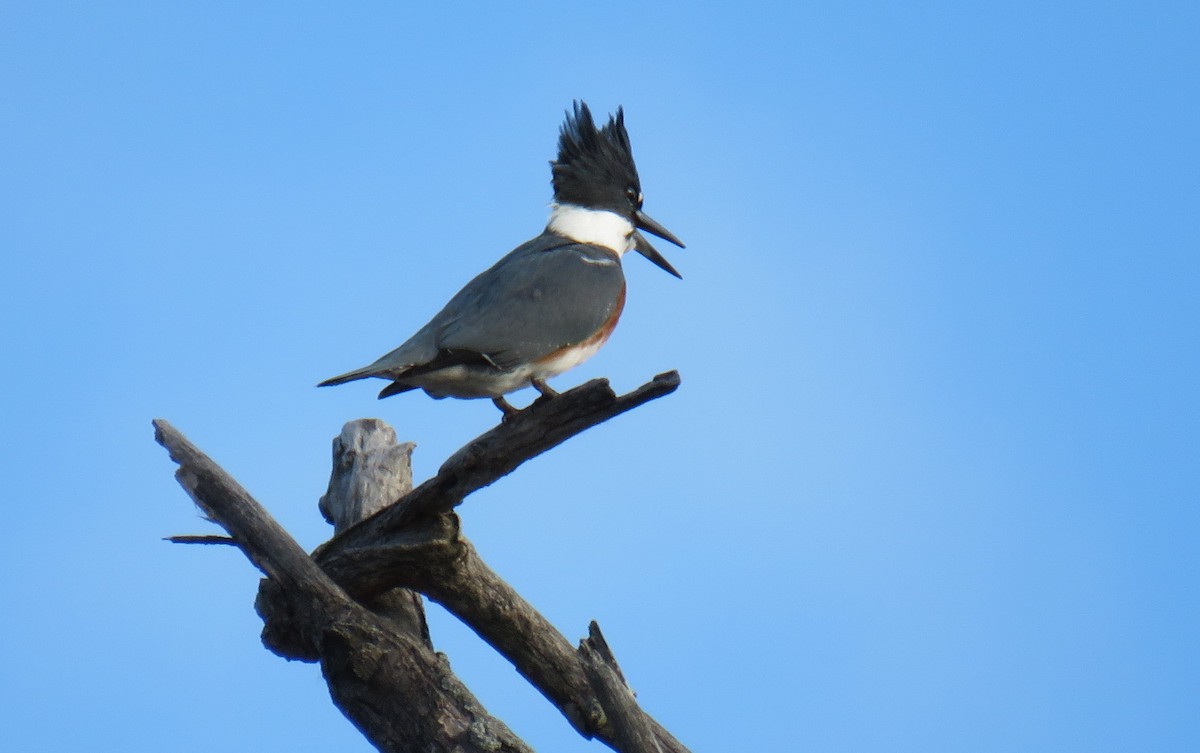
{"type": "Point", "coordinates": [210, 540]}
{"type": "Point", "coordinates": [256, 533]}
{"type": "Point", "coordinates": [432, 557]}
{"type": "Point", "coordinates": [542, 426]}
{"type": "Point", "coordinates": [416, 543]}
{"type": "Point", "coordinates": [631, 728]}
{"type": "Point", "coordinates": [401, 695]}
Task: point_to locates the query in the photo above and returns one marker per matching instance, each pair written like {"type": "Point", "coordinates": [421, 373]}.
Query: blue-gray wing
{"type": "Point", "coordinates": [546, 294]}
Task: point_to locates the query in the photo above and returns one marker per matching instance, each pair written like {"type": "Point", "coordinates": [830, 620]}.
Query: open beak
{"type": "Point", "coordinates": [644, 222]}
{"type": "Point", "coordinates": [643, 247]}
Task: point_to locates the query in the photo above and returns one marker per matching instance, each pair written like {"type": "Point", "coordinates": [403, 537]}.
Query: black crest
{"type": "Point", "coordinates": [595, 166]}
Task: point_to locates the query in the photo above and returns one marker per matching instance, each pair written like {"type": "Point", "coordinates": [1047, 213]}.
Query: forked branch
{"type": "Point", "coordinates": [314, 606]}
{"type": "Point", "coordinates": [540, 427]}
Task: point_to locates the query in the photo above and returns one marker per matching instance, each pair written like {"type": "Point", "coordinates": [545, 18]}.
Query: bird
{"type": "Point", "coordinates": [550, 303]}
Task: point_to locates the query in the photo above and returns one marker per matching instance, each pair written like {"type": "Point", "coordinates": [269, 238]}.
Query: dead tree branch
{"type": "Point", "coordinates": [416, 543]}
{"type": "Point", "coordinates": [401, 695]}
{"type": "Point", "coordinates": [540, 427]}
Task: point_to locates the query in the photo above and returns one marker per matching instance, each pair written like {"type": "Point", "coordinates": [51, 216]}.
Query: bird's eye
{"type": "Point", "coordinates": [634, 196]}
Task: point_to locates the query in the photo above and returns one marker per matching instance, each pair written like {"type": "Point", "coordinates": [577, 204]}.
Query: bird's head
{"type": "Point", "coordinates": [595, 173]}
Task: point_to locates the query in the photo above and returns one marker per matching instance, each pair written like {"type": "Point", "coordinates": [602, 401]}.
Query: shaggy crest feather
{"type": "Point", "coordinates": [594, 165]}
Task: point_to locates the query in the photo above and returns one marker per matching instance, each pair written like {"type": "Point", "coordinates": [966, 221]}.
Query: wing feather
{"type": "Point", "coordinates": [545, 295]}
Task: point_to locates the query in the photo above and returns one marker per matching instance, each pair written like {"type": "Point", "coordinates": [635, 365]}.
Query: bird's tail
{"type": "Point", "coordinates": [395, 388]}
{"type": "Point", "coordinates": [350, 376]}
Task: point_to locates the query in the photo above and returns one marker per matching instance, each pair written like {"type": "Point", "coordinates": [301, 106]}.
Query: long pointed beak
{"type": "Point", "coordinates": [643, 247]}
{"type": "Point", "coordinates": [645, 223]}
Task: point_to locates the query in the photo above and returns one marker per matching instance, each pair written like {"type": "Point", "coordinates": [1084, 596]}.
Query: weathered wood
{"type": "Point", "coordinates": [432, 557]}
{"type": "Point", "coordinates": [371, 470]}
{"type": "Point", "coordinates": [631, 728]}
{"type": "Point", "coordinates": [255, 532]}
{"type": "Point", "coordinates": [401, 696]}
{"type": "Point", "coordinates": [416, 543]}
{"type": "Point", "coordinates": [436, 560]}
{"type": "Point", "coordinates": [403, 546]}
{"type": "Point", "coordinates": [540, 427]}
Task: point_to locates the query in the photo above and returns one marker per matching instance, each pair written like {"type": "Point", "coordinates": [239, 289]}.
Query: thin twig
{"type": "Point", "coordinates": [227, 541]}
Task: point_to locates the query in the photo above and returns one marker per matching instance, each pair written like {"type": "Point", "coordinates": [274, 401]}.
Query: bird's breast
{"type": "Point", "coordinates": [570, 356]}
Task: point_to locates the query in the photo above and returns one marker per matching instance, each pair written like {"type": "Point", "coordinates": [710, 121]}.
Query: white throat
{"type": "Point", "coordinates": [596, 226]}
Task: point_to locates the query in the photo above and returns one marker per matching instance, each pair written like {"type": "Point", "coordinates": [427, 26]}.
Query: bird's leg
{"type": "Point", "coordinates": [504, 407]}
{"type": "Point", "coordinates": [546, 390]}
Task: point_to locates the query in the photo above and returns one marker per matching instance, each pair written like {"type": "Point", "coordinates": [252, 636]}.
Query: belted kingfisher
{"type": "Point", "coordinates": [550, 303]}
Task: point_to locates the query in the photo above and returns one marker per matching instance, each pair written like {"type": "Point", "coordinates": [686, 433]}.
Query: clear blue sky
{"type": "Point", "coordinates": [930, 484]}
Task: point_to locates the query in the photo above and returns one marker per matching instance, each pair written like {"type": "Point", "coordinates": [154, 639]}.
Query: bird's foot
{"type": "Point", "coordinates": [546, 390]}
{"type": "Point", "coordinates": [505, 407]}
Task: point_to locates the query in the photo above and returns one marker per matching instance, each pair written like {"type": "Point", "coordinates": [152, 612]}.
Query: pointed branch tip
{"type": "Point", "coordinates": [220, 540]}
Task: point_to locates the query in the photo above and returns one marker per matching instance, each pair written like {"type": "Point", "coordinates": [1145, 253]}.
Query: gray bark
{"type": "Point", "coordinates": [399, 693]}
{"type": "Point", "coordinates": [348, 605]}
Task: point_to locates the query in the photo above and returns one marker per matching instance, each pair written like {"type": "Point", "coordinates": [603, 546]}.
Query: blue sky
{"type": "Point", "coordinates": [930, 482]}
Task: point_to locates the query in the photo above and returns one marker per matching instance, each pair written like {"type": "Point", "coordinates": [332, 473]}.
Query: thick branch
{"type": "Point", "coordinates": [370, 471]}
{"type": "Point", "coordinates": [540, 427]}
{"type": "Point", "coordinates": [401, 695]}
{"type": "Point", "coordinates": [416, 543]}
{"type": "Point", "coordinates": [255, 532]}
{"type": "Point", "coordinates": [405, 546]}
{"type": "Point", "coordinates": [432, 557]}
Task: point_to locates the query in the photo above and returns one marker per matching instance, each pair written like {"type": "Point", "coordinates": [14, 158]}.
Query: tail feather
{"type": "Point", "coordinates": [350, 376]}
{"type": "Point", "coordinates": [395, 388]}
{"type": "Point", "coordinates": [390, 365]}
